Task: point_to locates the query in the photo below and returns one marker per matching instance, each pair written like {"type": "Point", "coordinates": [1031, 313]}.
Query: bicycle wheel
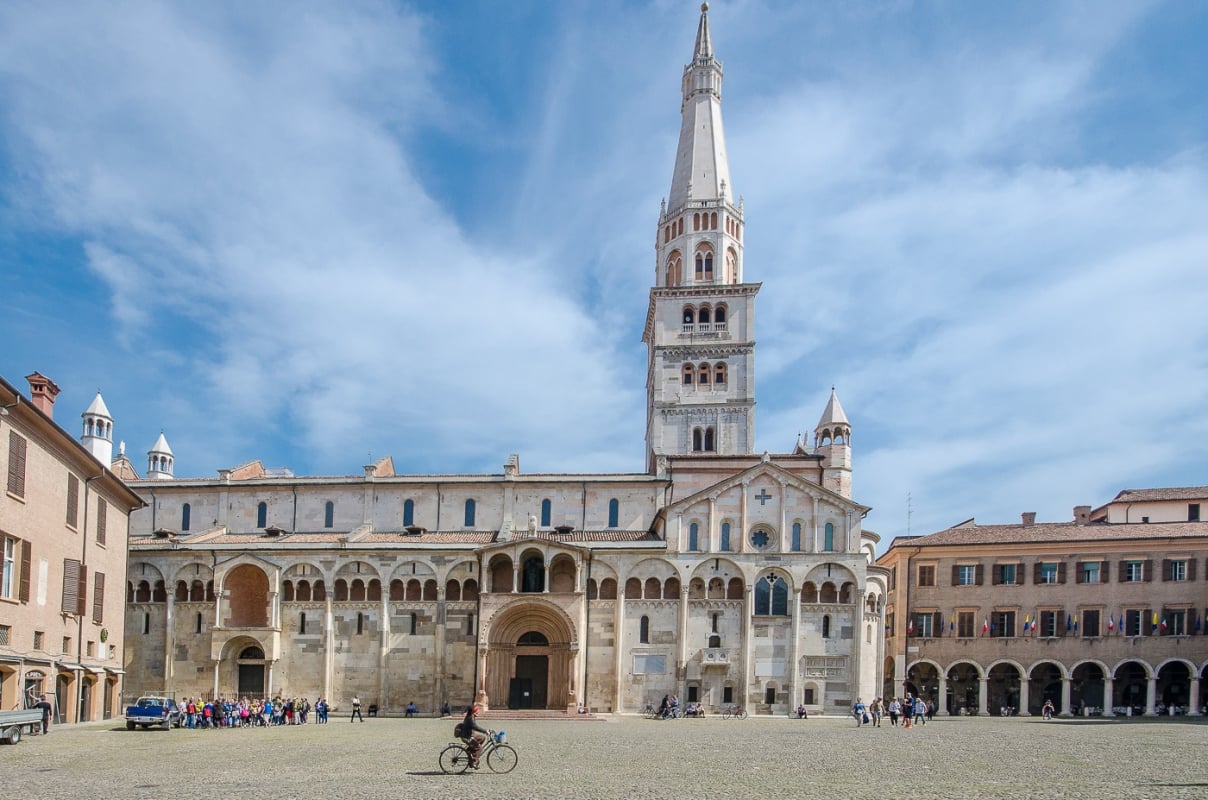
{"type": "Point", "coordinates": [725, 714]}
{"type": "Point", "coordinates": [502, 758]}
{"type": "Point", "coordinates": [742, 714]}
{"type": "Point", "coordinates": [454, 760]}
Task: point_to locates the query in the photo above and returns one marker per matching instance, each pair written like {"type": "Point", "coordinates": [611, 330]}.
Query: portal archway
{"type": "Point", "coordinates": [529, 661]}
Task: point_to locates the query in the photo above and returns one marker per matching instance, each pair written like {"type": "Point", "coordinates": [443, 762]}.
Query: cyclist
{"type": "Point", "coordinates": [473, 734]}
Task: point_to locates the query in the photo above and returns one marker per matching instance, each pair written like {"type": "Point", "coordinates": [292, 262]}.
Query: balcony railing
{"type": "Point", "coordinates": [689, 328]}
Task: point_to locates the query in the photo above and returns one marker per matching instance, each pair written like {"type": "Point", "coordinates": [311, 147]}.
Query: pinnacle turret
{"type": "Point", "coordinates": [97, 434]}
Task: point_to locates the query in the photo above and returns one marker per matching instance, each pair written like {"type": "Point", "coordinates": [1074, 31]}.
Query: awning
{"type": "Point", "coordinates": [95, 670]}
{"type": "Point", "coordinates": [115, 671]}
{"type": "Point", "coordinates": [63, 665]}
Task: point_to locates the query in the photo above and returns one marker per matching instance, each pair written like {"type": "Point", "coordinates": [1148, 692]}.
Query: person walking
{"type": "Point", "coordinates": [895, 708]}
{"type": "Point", "coordinates": [356, 709]}
{"type": "Point", "coordinates": [44, 705]}
{"type": "Point", "coordinates": [860, 712]}
{"type": "Point", "coordinates": [920, 711]}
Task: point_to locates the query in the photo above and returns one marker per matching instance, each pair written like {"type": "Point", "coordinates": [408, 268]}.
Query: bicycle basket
{"type": "Point", "coordinates": [499, 737]}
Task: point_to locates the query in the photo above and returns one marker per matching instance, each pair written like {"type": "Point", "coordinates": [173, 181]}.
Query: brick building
{"type": "Point", "coordinates": [1101, 615]}
{"type": "Point", "coordinates": [63, 528]}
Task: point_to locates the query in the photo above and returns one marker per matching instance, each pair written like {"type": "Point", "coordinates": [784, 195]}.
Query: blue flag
{"type": "Point", "coordinates": [1069, 622]}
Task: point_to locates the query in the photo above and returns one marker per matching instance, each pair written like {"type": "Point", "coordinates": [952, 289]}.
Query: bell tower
{"type": "Point", "coordinates": [700, 324]}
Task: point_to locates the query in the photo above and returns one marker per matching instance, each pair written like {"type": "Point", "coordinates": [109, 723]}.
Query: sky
{"type": "Point", "coordinates": [317, 234]}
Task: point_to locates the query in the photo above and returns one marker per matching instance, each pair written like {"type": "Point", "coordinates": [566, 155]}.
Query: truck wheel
{"type": "Point", "coordinates": [14, 734]}
{"type": "Point", "coordinates": [129, 725]}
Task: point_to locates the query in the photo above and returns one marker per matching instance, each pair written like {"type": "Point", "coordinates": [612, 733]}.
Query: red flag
{"type": "Point", "coordinates": [985, 626]}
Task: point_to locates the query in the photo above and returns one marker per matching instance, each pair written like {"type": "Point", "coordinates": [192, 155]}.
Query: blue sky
{"type": "Point", "coordinates": [316, 233]}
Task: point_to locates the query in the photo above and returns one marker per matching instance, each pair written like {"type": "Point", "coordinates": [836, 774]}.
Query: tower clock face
{"type": "Point", "coordinates": [759, 539]}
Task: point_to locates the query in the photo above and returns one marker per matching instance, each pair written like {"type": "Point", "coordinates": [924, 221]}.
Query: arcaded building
{"type": "Point", "coordinates": [1103, 614]}
{"type": "Point", "coordinates": [720, 574]}
{"type": "Point", "coordinates": [63, 524]}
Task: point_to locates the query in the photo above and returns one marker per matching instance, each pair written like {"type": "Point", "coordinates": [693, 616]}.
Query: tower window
{"type": "Point", "coordinates": [689, 315]}
{"type": "Point", "coordinates": [262, 514]}
{"type": "Point", "coordinates": [698, 443]}
{"type": "Point", "coordinates": [644, 630]}
{"type": "Point", "coordinates": [469, 514]}
{"type": "Point", "coordinates": [710, 446]}
{"type": "Point", "coordinates": [546, 507]}
{"type": "Point", "coordinates": [614, 513]}
{"type": "Point", "coordinates": [688, 372]}
{"type": "Point", "coordinates": [186, 512]}
{"type": "Point", "coordinates": [329, 514]}
{"type": "Point", "coordinates": [704, 375]}
{"type": "Point", "coordinates": [408, 512]}
{"type": "Point", "coordinates": [719, 315]}
{"type": "Point", "coordinates": [719, 374]}
{"type": "Point", "coordinates": [705, 315]}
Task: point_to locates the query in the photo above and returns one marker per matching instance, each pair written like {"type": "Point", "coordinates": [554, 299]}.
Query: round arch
{"type": "Point", "coordinates": [526, 675]}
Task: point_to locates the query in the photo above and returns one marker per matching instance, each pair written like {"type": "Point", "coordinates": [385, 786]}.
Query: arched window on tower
{"type": "Point", "coordinates": [329, 514]}
{"type": "Point", "coordinates": [704, 264]}
{"type": "Point", "coordinates": [688, 371]}
{"type": "Point", "coordinates": [696, 222]}
{"type": "Point", "coordinates": [614, 513]}
{"type": "Point", "coordinates": [826, 626]}
{"type": "Point", "coordinates": [704, 374]}
{"type": "Point", "coordinates": [689, 315]}
{"type": "Point", "coordinates": [710, 445]}
{"type": "Point", "coordinates": [408, 512]}
{"type": "Point", "coordinates": [469, 523]}
{"type": "Point", "coordinates": [719, 374]}
{"type": "Point", "coordinates": [262, 514]}
{"type": "Point", "coordinates": [698, 443]}
{"type": "Point", "coordinates": [546, 510]}
{"type": "Point", "coordinates": [772, 596]}
{"type": "Point", "coordinates": [186, 512]}
{"type": "Point", "coordinates": [644, 630]}
{"type": "Point", "coordinates": [719, 317]}
{"type": "Point", "coordinates": [828, 541]}
{"type": "Point", "coordinates": [705, 317]}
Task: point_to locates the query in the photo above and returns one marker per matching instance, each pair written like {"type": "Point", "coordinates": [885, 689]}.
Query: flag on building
{"type": "Point", "coordinates": [951, 624]}
{"type": "Point", "coordinates": [1198, 622]}
{"type": "Point", "coordinates": [910, 627]}
{"type": "Point", "coordinates": [985, 626]}
{"type": "Point", "coordinates": [1163, 625]}
{"type": "Point", "coordinates": [1154, 625]}
{"type": "Point", "coordinates": [1069, 622]}
{"type": "Point", "coordinates": [1027, 623]}
{"type": "Point", "coordinates": [1111, 623]}
{"type": "Point", "coordinates": [1075, 623]}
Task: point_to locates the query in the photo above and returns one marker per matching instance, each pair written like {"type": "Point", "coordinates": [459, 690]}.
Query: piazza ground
{"type": "Point", "coordinates": [625, 757]}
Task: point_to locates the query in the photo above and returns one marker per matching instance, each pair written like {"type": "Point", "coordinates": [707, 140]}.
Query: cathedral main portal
{"type": "Point", "coordinates": [529, 658]}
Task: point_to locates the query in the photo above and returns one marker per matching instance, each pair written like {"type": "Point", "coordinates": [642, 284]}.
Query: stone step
{"type": "Point", "coordinates": [532, 713]}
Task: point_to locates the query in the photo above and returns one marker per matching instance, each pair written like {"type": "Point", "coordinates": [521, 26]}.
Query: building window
{"type": "Point", "coordinates": [826, 626]}
{"type": "Point", "coordinates": [262, 515]}
{"type": "Point", "coordinates": [1193, 512]}
{"type": "Point", "coordinates": [1048, 573]}
{"type": "Point", "coordinates": [186, 512]}
{"type": "Point", "coordinates": [408, 512]}
{"type": "Point", "coordinates": [147, 622]}
{"type": "Point", "coordinates": [923, 625]}
{"type": "Point", "coordinates": [6, 636]}
{"type": "Point", "coordinates": [688, 373]}
{"type": "Point", "coordinates": [73, 501]}
{"type": "Point", "coordinates": [1175, 622]}
{"type": "Point", "coordinates": [1050, 623]}
{"type": "Point", "coordinates": [1090, 623]}
{"type": "Point", "coordinates": [302, 622]}
{"type": "Point", "coordinates": [329, 514]}
{"type": "Point", "coordinates": [39, 639]}
{"type": "Point", "coordinates": [546, 511]}
{"type": "Point", "coordinates": [75, 586]}
{"type": "Point", "coordinates": [197, 626]}
{"type": "Point", "coordinates": [98, 597]}
{"type": "Point", "coordinates": [102, 520]}
{"type": "Point", "coordinates": [8, 579]}
{"type": "Point", "coordinates": [360, 623]}
{"type": "Point", "coordinates": [414, 624]}
{"type": "Point", "coordinates": [725, 536]}
{"type": "Point", "coordinates": [926, 575]}
{"type": "Point", "coordinates": [694, 537]}
{"type": "Point", "coordinates": [771, 596]}
{"type": "Point", "coordinates": [796, 537]}
{"type": "Point", "coordinates": [644, 630]}
{"type": "Point", "coordinates": [469, 519]}
{"type": "Point", "coordinates": [1007, 573]}
{"type": "Point", "coordinates": [1002, 624]}
{"type": "Point", "coordinates": [966, 575]}
{"type": "Point", "coordinates": [759, 539]}
{"type": "Point", "coordinates": [828, 540]}
{"type": "Point", "coordinates": [1176, 569]}
{"type": "Point", "coordinates": [614, 513]}
{"type": "Point", "coordinates": [1089, 572]}
{"type": "Point", "coordinates": [16, 464]}
{"type": "Point", "coordinates": [965, 625]}
{"type": "Point", "coordinates": [1134, 618]}
{"type": "Point", "coordinates": [1134, 571]}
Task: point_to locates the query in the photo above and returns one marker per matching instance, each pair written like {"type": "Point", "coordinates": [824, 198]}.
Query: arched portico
{"type": "Point", "coordinates": [530, 658]}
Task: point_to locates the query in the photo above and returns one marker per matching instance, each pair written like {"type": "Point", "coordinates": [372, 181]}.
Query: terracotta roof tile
{"type": "Point", "coordinates": [1057, 532]}
{"type": "Point", "coordinates": [1173, 493]}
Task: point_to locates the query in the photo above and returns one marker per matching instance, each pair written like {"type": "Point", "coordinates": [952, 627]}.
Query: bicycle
{"type": "Point", "coordinates": [500, 757]}
{"type": "Point", "coordinates": [650, 711]}
{"type": "Point", "coordinates": [734, 712]}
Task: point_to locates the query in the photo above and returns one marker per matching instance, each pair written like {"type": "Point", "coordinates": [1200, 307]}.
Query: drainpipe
{"type": "Point", "coordinates": [79, 689]}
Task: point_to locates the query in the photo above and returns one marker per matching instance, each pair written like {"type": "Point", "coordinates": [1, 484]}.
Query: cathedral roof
{"type": "Point", "coordinates": [97, 408]}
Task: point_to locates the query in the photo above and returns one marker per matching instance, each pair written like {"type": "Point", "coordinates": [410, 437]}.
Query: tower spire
{"type": "Point", "coordinates": [704, 45]}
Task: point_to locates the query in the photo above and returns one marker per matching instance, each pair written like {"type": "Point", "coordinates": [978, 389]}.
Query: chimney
{"type": "Point", "coordinates": [1029, 518]}
{"type": "Point", "coordinates": [1082, 514]}
{"type": "Point", "coordinates": [43, 391]}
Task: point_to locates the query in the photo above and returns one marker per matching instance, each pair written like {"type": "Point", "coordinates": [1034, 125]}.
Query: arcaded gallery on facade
{"type": "Point", "coordinates": [718, 574]}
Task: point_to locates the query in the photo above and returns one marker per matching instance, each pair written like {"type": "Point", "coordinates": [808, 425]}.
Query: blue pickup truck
{"type": "Point", "coordinates": [151, 710]}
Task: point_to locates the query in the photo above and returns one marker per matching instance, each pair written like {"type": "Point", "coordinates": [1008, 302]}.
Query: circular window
{"type": "Point", "coordinates": [759, 539]}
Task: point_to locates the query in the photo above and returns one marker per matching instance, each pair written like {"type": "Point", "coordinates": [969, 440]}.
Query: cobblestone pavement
{"type": "Point", "coordinates": [625, 757]}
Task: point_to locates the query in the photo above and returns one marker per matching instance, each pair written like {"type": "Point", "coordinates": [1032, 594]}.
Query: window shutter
{"type": "Point", "coordinates": [102, 522]}
{"type": "Point", "coordinates": [1147, 628]}
{"type": "Point", "coordinates": [82, 592]}
{"type": "Point", "coordinates": [979, 574]}
{"type": "Point", "coordinates": [27, 558]}
{"type": "Point", "coordinates": [996, 575]}
{"type": "Point", "coordinates": [16, 464]}
{"type": "Point", "coordinates": [1061, 572]}
{"type": "Point", "coordinates": [98, 597]}
{"type": "Point", "coordinates": [71, 585]}
{"type": "Point", "coordinates": [1191, 569]}
{"type": "Point", "coordinates": [1147, 570]}
{"type": "Point", "coordinates": [1122, 571]}
{"type": "Point", "coordinates": [956, 577]}
{"type": "Point", "coordinates": [1020, 577]}
{"type": "Point", "coordinates": [1036, 573]}
{"type": "Point", "coordinates": [1165, 569]}
{"type": "Point", "coordinates": [1105, 571]}
{"type": "Point", "coordinates": [937, 624]}
{"type": "Point", "coordinates": [1079, 573]}
{"type": "Point", "coordinates": [73, 500]}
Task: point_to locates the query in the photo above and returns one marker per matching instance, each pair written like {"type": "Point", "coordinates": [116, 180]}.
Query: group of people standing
{"type": "Point", "coordinates": [251, 713]}
{"type": "Point", "coordinates": [912, 711]}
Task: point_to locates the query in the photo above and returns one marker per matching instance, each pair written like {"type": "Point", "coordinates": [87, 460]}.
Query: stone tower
{"type": "Point", "coordinates": [832, 441]}
{"type": "Point", "coordinates": [160, 460]}
{"type": "Point", "coordinates": [97, 434]}
{"type": "Point", "coordinates": [700, 325]}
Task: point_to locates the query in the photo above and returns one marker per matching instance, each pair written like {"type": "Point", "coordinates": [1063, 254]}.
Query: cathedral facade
{"type": "Point", "coordinates": [721, 575]}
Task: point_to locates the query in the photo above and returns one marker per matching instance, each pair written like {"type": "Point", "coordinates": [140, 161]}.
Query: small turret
{"type": "Point", "coordinates": [97, 434]}
{"type": "Point", "coordinates": [160, 460]}
{"type": "Point", "coordinates": [832, 441]}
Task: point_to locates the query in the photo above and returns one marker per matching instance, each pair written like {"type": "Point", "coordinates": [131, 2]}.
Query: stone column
{"type": "Point", "coordinates": [742, 526]}
{"type": "Point", "coordinates": [794, 671]}
{"type": "Point", "coordinates": [1193, 697]}
{"type": "Point", "coordinates": [983, 700]}
{"type": "Point", "coordinates": [329, 645]}
{"type": "Point", "coordinates": [1025, 697]}
{"type": "Point", "coordinates": [1151, 696]}
{"type": "Point", "coordinates": [682, 655]}
{"type": "Point", "coordinates": [748, 610]}
{"type": "Point", "coordinates": [817, 542]}
{"type": "Point", "coordinates": [1109, 696]}
{"type": "Point", "coordinates": [384, 647]}
{"type": "Point", "coordinates": [941, 702]}
{"type": "Point", "coordinates": [618, 638]}
{"type": "Point", "coordinates": [170, 639]}
{"type": "Point", "coordinates": [1066, 711]}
